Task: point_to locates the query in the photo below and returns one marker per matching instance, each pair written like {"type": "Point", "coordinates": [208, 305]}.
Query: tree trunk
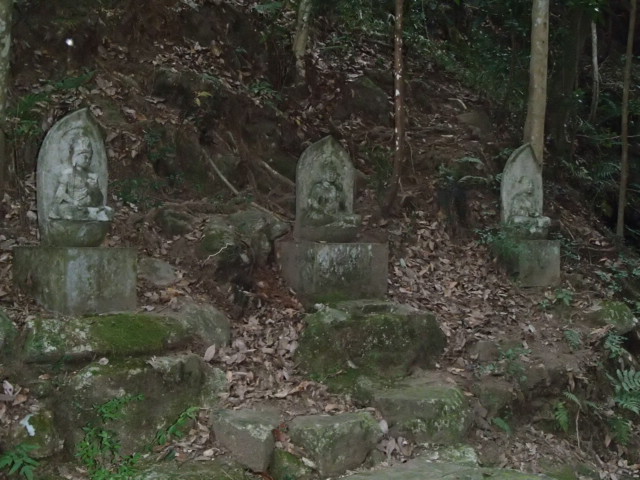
{"type": "Point", "coordinates": [5, 54]}
{"type": "Point", "coordinates": [301, 38]}
{"type": "Point", "coordinates": [624, 161]}
{"type": "Point", "coordinates": [595, 90]}
{"type": "Point", "coordinates": [537, 102]}
{"type": "Point", "coordinates": [398, 95]}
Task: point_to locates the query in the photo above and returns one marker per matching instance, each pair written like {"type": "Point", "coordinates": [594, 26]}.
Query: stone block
{"type": "Point", "coordinates": [538, 263]}
{"type": "Point", "coordinates": [248, 434]}
{"type": "Point", "coordinates": [330, 272]}
{"type": "Point", "coordinates": [336, 443]}
{"type": "Point", "coordinates": [78, 280]}
{"type": "Point", "coordinates": [159, 389]}
{"type": "Point", "coordinates": [425, 409]}
{"type": "Point", "coordinates": [366, 337]}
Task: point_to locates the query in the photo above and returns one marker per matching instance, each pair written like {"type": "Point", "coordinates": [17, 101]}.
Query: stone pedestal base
{"type": "Point", "coordinates": [330, 272]}
{"type": "Point", "coordinates": [77, 280]}
{"type": "Point", "coordinates": [537, 263]}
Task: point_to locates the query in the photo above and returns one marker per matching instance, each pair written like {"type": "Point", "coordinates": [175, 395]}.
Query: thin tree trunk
{"type": "Point", "coordinates": [537, 102]}
{"type": "Point", "coordinates": [595, 90]}
{"type": "Point", "coordinates": [398, 95]}
{"type": "Point", "coordinates": [624, 161]}
{"type": "Point", "coordinates": [301, 37]}
{"type": "Point", "coordinates": [5, 50]}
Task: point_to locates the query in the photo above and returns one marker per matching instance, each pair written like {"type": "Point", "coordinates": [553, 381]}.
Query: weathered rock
{"type": "Point", "coordinates": [116, 336]}
{"type": "Point", "coordinates": [286, 466]}
{"type": "Point", "coordinates": [331, 272]}
{"type": "Point", "coordinates": [369, 335]}
{"type": "Point", "coordinates": [425, 409]}
{"type": "Point", "coordinates": [221, 240]}
{"type": "Point", "coordinates": [614, 313]}
{"type": "Point", "coordinates": [494, 394]}
{"type": "Point", "coordinates": [157, 272]}
{"type": "Point", "coordinates": [8, 335]}
{"type": "Point", "coordinates": [78, 280]}
{"type": "Point", "coordinates": [258, 229]}
{"type": "Point", "coordinates": [169, 386]}
{"type": "Point", "coordinates": [172, 222]}
{"type": "Point", "coordinates": [205, 322]}
{"type": "Point", "coordinates": [336, 443]}
{"type": "Point", "coordinates": [38, 430]}
{"type": "Point", "coordinates": [324, 194]}
{"type": "Point", "coordinates": [363, 95]}
{"type": "Point", "coordinates": [217, 469]}
{"type": "Point", "coordinates": [72, 182]}
{"type": "Point", "coordinates": [248, 435]}
{"type": "Point", "coordinates": [458, 454]}
{"type": "Point", "coordinates": [538, 263]}
{"type": "Point", "coordinates": [423, 469]}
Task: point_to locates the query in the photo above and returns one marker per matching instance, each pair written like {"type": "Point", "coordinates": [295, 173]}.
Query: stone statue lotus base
{"type": "Point", "coordinates": [77, 233]}
{"type": "Point", "coordinates": [328, 272]}
{"type": "Point", "coordinates": [78, 281]}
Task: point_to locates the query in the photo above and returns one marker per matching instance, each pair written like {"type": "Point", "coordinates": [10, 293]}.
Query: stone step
{"type": "Point", "coordinates": [425, 408]}
{"type": "Point", "coordinates": [423, 469]}
{"type": "Point", "coordinates": [124, 335]}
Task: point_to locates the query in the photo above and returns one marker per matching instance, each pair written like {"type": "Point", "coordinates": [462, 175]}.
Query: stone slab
{"type": "Point", "coordinates": [77, 280]}
{"type": "Point", "coordinates": [423, 469]}
{"type": "Point", "coordinates": [428, 408]}
{"type": "Point", "coordinates": [336, 443]}
{"type": "Point", "coordinates": [330, 272]}
{"type": "Point", "coordinates": [538, 263]}
{"type": "Point", "coordinates": [248, 434]}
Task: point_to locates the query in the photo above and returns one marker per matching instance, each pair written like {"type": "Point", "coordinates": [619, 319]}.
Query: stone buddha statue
{"type": "Point", "coordinates": [78, 195]}
{"type": "Point", "coordinates": [326, 212]}
{"type": "Point", "coordinates": [524, 214]}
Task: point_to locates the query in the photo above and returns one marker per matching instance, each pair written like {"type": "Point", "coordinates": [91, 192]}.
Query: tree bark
{"type": "Point", "coordinates": [595, 89]}
{"type": "Point", "coordinates": [399, 116]}
{"type": "Point", "coordinates": [5, 54]}
{"type": "Point", "coordinates": [624, 134]}
{"type": "Point", "coordinates": [301, 38]}
{"type": "Point", "coordinates": [537, 102]}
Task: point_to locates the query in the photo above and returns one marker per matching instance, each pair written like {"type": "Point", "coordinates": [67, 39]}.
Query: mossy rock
{"type": "Point", "coordinates": [51, 340]}
{"type": "Point", "coordinates": [427, 408]}
{"type": "Point", "coordinates": [37, 430]}
{"type": "Point", "coordinates": [378, 338]}
{"type": "Point", "coordinates": [169, 385]}
{"type": "Point", "coordinates": [614, 313]}
{"type": "Point", "coordinates": [8, 335]}
{"type": "Point", "coordinates": [286, 466]}
{"type": "Point", "coordinates": [218, 469]}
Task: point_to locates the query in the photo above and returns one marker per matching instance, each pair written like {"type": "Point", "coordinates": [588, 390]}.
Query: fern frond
{"type": "Point", "coordinates": [620, 429]}
{"type": "Point", "coordinates": [561, 414]}
{"type": "Point", "coordinates": [628, 380]}
{"type": "Point", "coordinates": [571, 396]}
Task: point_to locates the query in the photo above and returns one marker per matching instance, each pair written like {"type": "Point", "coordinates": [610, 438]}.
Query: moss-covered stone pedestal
{"type": "Point", "coordinates": [77, 280]}
{"type": "Point", "coordinates": [329, 272]}
{"type": "Point", "coordinates": [535, 263]}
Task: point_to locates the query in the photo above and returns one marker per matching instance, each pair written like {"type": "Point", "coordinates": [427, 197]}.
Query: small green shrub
{"type": "Point", "coordinates": [176, 429]}
{"type": "Point", "coordinates": [99, 450]}
{"type": "Point", "coordinates": [502, 424]}
{"type": "Point", "coordinates": [19, 462]}
{"type": "Point", "coordinates": [573, 338]}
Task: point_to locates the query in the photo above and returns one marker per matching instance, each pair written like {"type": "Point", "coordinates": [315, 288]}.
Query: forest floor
{"type": "Point", "coordinates": [438, 261]}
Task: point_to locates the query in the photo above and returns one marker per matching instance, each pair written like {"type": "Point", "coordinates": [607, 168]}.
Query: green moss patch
{"type": "Point", "coordinates": [122, 335]}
